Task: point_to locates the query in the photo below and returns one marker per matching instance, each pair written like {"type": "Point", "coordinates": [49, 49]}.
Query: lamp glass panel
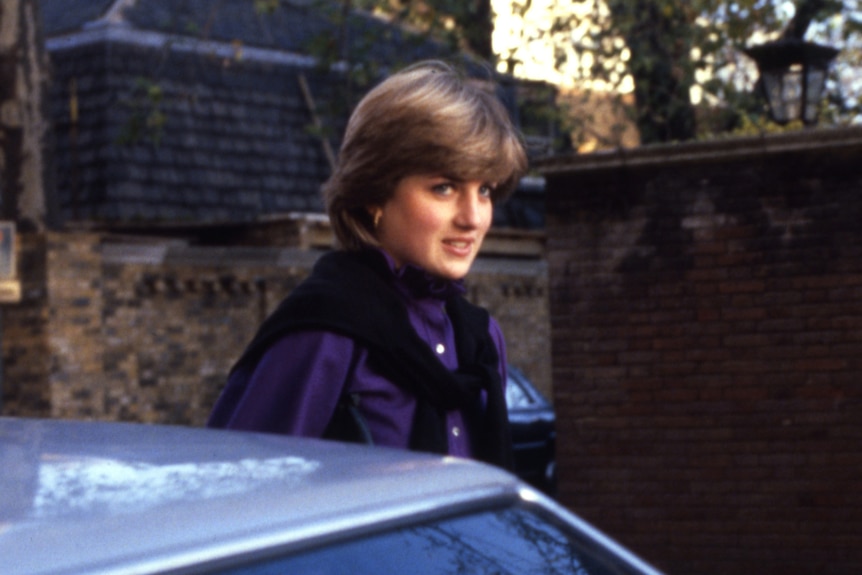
{"type": "Point", "coordinates": [784, 92]}
{"type": "Point", "coordinates": [816, 79]}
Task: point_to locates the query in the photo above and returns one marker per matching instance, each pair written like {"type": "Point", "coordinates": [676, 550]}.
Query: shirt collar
{"type": "Point", "coordinates": [420, 284]}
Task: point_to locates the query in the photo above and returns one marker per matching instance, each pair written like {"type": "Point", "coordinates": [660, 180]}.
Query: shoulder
{"type": "Point", "coordinates": [344, 289]}
{"type": "Point", "coordinates": [496, 332]}
{"type": "Point", "coordinates": [303, 342]}
{"type": "Point", "coordinates": [302, 355]}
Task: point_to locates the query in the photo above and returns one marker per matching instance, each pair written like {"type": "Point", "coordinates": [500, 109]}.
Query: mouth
{"type": "Point", "coordinates": [459, 247]}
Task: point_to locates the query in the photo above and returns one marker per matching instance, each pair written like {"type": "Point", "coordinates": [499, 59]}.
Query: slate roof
{"type": "Point", "coordinates": [192, 110]}
{"type": "Point", "coordinates": [67, 15]}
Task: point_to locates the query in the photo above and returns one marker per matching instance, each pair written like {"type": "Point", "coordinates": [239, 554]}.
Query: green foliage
{"type": "Point", "coordinates": [146, 120]}
{"type": "Point", "coordinates": [414, 23]}
{"type": "Point", "coordinates": [460, 24]}
{"type": "Point", "coordinates": [757, 125]}
{"type": "Point", "coordinates": [670, 49]}
{"type": "Point", "coordinates": [459, 29]}
{"type": "Point", "coordinates": [266, 6]}
{"type": "Point", "coordinates": [543, 120]}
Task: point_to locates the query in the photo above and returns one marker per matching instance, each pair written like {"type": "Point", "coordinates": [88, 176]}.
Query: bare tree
{"type": "Point", "coordinates": [26, 172]}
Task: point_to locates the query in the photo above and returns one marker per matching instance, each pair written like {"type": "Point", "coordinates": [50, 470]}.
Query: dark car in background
{"type": "Point", "coordinates": [534, 434]}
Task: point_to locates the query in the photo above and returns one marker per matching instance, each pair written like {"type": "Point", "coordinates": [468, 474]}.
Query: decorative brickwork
{"type": "Point", "coordinates": [138, 329]}
{"type": "Point", "coordinates": [706, 305]}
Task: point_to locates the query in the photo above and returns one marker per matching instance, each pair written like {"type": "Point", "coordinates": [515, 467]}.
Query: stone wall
{"type": "Point", "coordinates": [142, 329]}
{"type": "Point", "coordinates": [26, 366]}
{"type": "Point", "coordinates": [706, 305]}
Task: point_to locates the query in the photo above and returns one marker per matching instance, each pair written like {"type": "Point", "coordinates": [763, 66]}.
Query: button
{"type": "Point", "coordinates": [456, 431]}
{"type": "Point", "coordinates": [440, 349]}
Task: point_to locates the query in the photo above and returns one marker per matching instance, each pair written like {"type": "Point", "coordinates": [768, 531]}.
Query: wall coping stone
{"type": "Point", "coordinates": [207, 256]}
{"type": "Point", "coordinates": [700, 152]}
{"type": "Point", "coordinates": [210, 256]}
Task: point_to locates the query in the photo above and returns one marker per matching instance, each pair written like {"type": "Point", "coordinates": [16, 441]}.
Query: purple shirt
{"type": "Point", "coordinates": [299, 380]}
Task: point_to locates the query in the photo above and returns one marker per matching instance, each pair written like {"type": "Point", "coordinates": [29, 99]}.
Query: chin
{"type": "Point", "coordinates": [453, 271]}
{"type": "Point", "coordinates": [454, 275]}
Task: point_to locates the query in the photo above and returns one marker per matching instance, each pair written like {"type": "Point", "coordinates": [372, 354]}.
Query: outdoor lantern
{"type": "Point", "coordinates": [792, 77]}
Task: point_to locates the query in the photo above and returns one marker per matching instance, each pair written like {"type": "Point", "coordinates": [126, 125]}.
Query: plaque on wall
{"type": "Point", "coordinates": [10, 286]}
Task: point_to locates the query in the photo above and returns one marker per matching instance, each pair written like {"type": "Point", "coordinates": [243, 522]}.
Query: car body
{"type": "Point", "coordinates": [90, 498]}
{"type": "Point", "coordinates": [534, 436]}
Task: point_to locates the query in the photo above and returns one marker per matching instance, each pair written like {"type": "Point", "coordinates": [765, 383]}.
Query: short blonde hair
{"type": "Point", "coordinates": [425, 119]}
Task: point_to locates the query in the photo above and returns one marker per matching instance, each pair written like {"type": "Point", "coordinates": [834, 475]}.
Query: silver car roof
{"type": "Point", "coordinates": [110, 498]}
{"type": "Point", "coordinates": [81, 497]}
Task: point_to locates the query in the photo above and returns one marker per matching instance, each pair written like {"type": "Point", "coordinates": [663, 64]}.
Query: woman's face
{"type": "Point", "coordinates": [435, 223]}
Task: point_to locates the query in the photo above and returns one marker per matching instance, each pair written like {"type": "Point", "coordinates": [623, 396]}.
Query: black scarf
{"type": "Point", "coordinates": [351, 293]}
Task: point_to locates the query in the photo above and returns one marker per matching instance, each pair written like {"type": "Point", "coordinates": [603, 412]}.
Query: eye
{"type": "Point", "coordinates": [443, 189]}
{"type": "Point", "coordinates": [486, 191]}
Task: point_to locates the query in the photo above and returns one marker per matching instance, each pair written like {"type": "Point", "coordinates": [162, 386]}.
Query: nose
{"type": "Point", "coordinates": [474, 209]}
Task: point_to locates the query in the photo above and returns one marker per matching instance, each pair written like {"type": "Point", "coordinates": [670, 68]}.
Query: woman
{"type": "Point", "coordinates": [378, 344]}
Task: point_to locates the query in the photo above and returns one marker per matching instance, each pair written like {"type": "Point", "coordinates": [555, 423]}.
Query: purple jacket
{"type": "Point", "coordinates": [298, 381]}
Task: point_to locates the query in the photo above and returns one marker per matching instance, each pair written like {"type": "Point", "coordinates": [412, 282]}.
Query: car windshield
{"type": "Point", "coordinates": [511, 541]}
{"type": "Point", "coordinates": [516, 397]}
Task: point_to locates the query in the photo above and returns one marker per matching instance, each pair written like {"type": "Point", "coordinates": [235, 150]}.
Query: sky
{"type": "Point", "coordinates": [526, 41]}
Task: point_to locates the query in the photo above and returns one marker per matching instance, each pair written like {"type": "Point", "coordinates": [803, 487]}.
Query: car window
{"type": "Point", "coordinates": [502, 542]}
{"type": "Point", "coordinates": [516, 397]}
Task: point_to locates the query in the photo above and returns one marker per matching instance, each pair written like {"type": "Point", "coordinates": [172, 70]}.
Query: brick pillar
{"type": "Point", "coordinates": [706, 313]}
{"type": "Point", "coordinates": [76, 340]}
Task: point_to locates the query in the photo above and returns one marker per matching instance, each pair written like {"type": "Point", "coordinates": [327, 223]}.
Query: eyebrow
{"type": "Point", "coordinates": [494, 185]}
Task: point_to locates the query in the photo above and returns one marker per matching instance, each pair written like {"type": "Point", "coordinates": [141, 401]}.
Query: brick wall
{"type": "Point", "coordinates": [26, 368]}
{"type": "Point", "coordinates": [142, 329]}
{"type": "Point", "coordinates": [706, 305]}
